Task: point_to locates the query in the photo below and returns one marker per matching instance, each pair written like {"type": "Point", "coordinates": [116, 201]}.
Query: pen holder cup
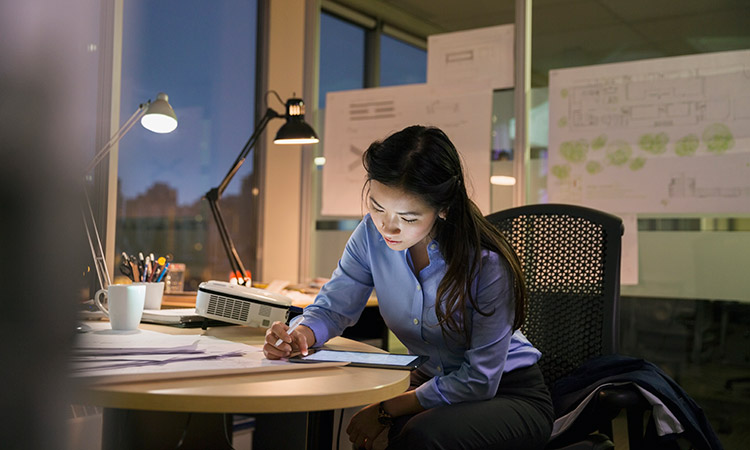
{"type": "Point", "coordinates": [154, 294]}
{"type": "Point", "coordinates": [124, 305]}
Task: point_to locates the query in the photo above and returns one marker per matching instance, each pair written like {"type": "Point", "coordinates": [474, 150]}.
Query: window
{"type": "Point", "coordinates": [344, 63]}
{"type": "Point", "coordinates": [202, 54]}
{"type": "Point", "coordinates": [401, 63]}
{"type": "Point", "coordinates": [342, 56]}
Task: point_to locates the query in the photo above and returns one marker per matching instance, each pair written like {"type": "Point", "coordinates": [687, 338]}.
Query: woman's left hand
{"type": "Point", "coordinates": [364, 427]}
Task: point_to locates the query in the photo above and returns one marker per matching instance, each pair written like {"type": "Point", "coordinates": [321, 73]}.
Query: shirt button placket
{"type": "Point", "coordinates": [418, 311]}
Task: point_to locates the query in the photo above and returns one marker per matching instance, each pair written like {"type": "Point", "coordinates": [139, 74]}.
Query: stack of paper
{"type": "Point", "coordinates": [106, 356]}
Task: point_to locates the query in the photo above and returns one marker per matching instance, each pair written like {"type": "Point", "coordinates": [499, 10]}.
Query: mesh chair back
{"type": "Point", "coordinates": [571, 259]}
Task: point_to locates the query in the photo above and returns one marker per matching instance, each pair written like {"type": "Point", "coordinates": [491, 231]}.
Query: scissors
{"type": "Point", "coordinates": [125, 267]}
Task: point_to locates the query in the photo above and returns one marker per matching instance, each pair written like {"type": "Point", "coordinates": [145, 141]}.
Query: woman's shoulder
{"type": "Point", "coordinates": [366, 226]}
{"type": "Point", "coordinates": [365, 233]}
{"type": "Point", "coordinates": [492, 258]}
{"type": "Point", "coordinates": [492, 264]}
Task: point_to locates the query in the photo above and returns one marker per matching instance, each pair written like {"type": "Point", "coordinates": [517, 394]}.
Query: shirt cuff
{"type": "Point", "coordinates": [318, 329]}
{"type": "Point", "coordinates": [429, 394]}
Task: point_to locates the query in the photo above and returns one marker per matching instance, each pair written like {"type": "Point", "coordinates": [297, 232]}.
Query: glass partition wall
{"type": "Point", "coordinates": [689, 310]}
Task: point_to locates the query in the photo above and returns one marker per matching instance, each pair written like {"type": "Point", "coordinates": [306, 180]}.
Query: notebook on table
{"type": "Point", "coordinates": [180, 317]}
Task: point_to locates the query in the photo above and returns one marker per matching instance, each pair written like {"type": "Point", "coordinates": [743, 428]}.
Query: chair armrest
{"type": "Point", "coordinates": [618, 397]}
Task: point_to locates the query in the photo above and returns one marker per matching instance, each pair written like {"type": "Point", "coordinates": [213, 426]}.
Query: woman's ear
{"type": "Point", "coordinates": [442, 214]}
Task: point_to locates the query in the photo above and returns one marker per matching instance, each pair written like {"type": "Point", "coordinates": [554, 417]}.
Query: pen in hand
{"type": "Point", "coordinates": [292, 326]}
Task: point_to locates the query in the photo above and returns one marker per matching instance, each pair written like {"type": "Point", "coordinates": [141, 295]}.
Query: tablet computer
{"type": "Point", "coordinates": [362, 359]}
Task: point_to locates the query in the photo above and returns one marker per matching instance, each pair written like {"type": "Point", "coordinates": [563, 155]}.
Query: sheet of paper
{"type": "Point", "coordinates": [482, 57]}
{"type": "Point", "coordinates": [154, 362]}
{"type": "Point", "coordinates": [629, 258]}
{"type": "Point", "coordinates": [97, 363]}
{"type": "Point", "coordinates": [664, 135]}
{"type": "Point", "coordinates": [355, 119]}
{"type": "Point", "coordinates": [171, 316]}
{"type": "Point", "coordinates": [172, 312]}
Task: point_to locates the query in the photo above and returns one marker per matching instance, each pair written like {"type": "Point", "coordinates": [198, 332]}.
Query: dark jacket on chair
{"type": "Point", "coordinates": [569, 391]}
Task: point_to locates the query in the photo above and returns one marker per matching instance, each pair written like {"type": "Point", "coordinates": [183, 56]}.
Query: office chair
{"type": "Point", "coordinates": [571, 260]}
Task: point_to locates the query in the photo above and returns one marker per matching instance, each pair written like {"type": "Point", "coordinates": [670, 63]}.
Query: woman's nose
{"type": "Point", "coordinates": [390, 226]}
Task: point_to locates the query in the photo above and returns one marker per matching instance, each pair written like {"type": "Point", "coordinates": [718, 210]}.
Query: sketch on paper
{"type": "Point", "coordinates": [481, 57]}
{"type": "Point", "coordinates": [355, 119]}
{"type": "Point", "coordinates": [660, 135]}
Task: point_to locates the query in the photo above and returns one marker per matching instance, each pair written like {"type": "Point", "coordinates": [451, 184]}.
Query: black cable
{"type": "Point", "coordinates": [184, 432]}
{"type": "Point", "coordinates": [187, 426]}
{"type": "Point", "coordinates": [338, 433]}
{"type": "Point", "coordinates": [277, 96]}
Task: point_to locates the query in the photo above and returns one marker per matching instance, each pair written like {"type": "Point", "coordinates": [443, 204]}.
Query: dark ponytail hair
{"type": "Point", "coordinates": [423, 161]}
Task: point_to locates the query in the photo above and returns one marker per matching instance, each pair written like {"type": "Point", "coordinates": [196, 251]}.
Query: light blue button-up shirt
{"type": "Point", "coordinates": [407, 303]}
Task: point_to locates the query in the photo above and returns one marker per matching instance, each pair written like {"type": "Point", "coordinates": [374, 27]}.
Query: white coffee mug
{"type": "Point", "coordinates": [154, 294]}
{"type": "Point", "coordinates": [124, 304]}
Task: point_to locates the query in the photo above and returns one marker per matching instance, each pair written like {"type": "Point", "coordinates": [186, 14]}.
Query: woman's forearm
{"type": "Point", "coordinates": [403, 404]}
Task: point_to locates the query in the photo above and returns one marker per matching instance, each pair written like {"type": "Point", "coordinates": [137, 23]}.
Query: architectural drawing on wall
{"type": "Point", "coordinates": [377, 109]}
{"type": "Point", "coordinates": [659, 135]}
{"type": "Point", "coordinates": [355, 119]}
{"type": "Point", "coordinates": [482, 57]}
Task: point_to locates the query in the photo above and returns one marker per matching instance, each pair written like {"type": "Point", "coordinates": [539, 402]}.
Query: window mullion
{"type": "Point", "coordinates": [372, 56]}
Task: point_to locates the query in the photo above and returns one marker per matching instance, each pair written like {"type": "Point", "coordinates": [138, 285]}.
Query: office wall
{"type": "Point", "coordinates": [280, 241]}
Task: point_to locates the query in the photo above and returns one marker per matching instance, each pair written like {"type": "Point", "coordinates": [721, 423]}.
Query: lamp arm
{"type": "Point", "coordinates": [89, 222]}
{"type": "Point", "coordinates": [233, 256]}
{"type": "Point", "coordinates": [270, 114]}
{"type": "Point", "coordinates": [104, 151]}
{"type": "Point", "coordinates": [97, 252]}
{"type": "Point", "coordinates": [215, 194]}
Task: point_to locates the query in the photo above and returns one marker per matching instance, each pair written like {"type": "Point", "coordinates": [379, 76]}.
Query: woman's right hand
{"type": "Point", "coordinates": [291, 344]}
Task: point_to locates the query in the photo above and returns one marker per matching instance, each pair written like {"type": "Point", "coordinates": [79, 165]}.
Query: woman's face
{"type": "Point", "coordinates": [402, 218]}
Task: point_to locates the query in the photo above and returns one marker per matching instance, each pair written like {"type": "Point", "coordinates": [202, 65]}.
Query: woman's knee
{"type": "Point", "coordinates": [419, 432]}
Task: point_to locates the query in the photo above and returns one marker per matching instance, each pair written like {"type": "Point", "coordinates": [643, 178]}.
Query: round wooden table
{"type": "Point", "coordinates": [154, 414]}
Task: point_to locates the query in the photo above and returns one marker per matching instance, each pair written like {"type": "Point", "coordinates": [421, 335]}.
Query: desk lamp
{"type": "Point", "coordinates": [294, 131]}
{"type": "Point", "coordinates": [157, 116]}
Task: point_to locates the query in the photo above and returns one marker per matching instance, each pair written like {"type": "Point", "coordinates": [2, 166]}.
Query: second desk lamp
{"type": "Point", "coordinates": [294, 131]}
{"type": "Point", "coordinates": [157, 116]}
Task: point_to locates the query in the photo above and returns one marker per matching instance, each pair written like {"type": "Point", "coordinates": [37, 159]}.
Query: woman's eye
{"type": "Point", "coordinates": [409, 220]}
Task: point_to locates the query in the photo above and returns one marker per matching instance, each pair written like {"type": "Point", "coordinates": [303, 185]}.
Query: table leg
{"type": "Point", "coordinates": [311, 431]}
{"type": "Point", "coordinates": [320, 430]}
{"type": "Point", "coordinates": [125, 429]}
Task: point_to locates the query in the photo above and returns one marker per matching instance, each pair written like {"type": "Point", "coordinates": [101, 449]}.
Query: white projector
{"type": "Point", "coordinates": [242, 305]}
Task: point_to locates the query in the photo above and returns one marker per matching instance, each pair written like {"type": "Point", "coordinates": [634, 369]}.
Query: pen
{"type": "Point", "coordinates": [292, 326]}
{"type": "Point", "coordinates": [141, 267]}
{"type": "Point", "coordinates": [163, 272]}
{"type": "Point", "coordinates": [146, 268]}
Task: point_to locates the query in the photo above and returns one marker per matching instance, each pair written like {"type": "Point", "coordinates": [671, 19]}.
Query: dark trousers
{"type": "Point", "coordinates": [519, 417]}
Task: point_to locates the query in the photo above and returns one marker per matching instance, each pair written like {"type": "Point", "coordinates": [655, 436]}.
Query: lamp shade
{"type": "Point", "coordinates": [160, 117]}
{"type": "Point", "coordinates": [295, 130]}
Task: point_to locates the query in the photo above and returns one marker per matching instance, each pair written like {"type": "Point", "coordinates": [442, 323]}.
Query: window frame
{"type": "Point", "coordinates": [104, 197]}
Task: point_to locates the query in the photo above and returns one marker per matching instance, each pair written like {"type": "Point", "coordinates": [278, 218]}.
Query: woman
{"type": "Point", "coordinates": [449, 286]}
